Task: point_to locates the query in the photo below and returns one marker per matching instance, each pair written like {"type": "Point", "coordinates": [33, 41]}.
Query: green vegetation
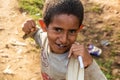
{"type": "Point", "coordinates": [32, 7]}
{"type": "Point", "coordinates": [106, 67]}
{"type": "Point", "coordinates": [94, 8]}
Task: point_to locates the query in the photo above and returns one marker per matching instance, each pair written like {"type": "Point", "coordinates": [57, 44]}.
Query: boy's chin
{"type": "Point", "coordinates": [60, 52]}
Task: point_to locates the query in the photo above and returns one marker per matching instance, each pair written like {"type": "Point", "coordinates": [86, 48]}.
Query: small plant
{"type": "Point", "coordinates": [96, 9]}
{"type": "Point", "coordinates": [106, 67]}
{"type": "Point", "coordinates": [32, 7]}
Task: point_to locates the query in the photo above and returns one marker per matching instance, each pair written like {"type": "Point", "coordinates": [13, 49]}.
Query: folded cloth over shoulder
{"type": "Point", "coordinates": [75, 72]}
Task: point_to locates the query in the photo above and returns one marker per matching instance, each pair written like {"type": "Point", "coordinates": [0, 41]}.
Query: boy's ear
{"type": "Point", "coordinates": [81, 27]}
{"type": "Point", "coordinates": [42, 25]}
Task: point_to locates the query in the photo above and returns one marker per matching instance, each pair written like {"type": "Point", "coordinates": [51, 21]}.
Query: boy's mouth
{"type": "Point", "coordinates": [61, 46]}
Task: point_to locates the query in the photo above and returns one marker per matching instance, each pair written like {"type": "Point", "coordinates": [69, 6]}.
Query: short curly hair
{"type": "Point", "coordinates": [56, 7]}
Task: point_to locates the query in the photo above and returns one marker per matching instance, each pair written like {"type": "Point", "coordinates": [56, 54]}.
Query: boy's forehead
{"type": "Point", "coordinates": [65, 21]}
{"type": "Point", "coordinates": [64, 17]}
{"type": "Point", "coordinates": [63, 14]}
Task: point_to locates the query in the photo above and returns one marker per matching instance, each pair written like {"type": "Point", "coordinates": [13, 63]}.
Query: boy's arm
{"type": "Point", "coordinates": [31, 34]}
{"type": "Point", "coordinates": [29, 28]}
{"type": "Point", "coordinates": [32, 30]}
{"type": "Point", "coordinates": [93, 72]}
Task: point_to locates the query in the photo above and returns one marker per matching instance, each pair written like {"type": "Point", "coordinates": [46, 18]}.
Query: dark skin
{"type": "Point", "coordinates": [62, 33]}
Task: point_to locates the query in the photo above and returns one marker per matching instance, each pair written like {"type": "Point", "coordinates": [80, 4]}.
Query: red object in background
{"type": "Point", "coordinates": [42, 25]}
{"type": "Point", "coordinates": [81, 27]}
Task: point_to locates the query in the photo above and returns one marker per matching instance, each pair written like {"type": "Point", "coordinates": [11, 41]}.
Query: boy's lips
{"type": "Point", "coordinates": [61, 46]}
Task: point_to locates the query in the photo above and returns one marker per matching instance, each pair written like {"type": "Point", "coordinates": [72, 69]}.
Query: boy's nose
{"type": "Point", "coordinates": [64, 38]}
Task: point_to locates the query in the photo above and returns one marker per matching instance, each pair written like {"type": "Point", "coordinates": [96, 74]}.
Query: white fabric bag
{"type": "Point", "coordinates": [75, 69]}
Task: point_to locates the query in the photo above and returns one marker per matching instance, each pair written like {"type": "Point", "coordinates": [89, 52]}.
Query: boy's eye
{"type": "Point", "coordinates": [72, 32]}
{"type": "Point", "coordinates": [58, 30]}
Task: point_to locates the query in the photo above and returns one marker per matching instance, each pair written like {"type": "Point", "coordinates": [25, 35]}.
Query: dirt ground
{"type": "Point", "coordinates": [20, 59]}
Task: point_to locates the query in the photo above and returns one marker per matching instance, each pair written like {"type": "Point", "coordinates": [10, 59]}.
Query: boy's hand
{"type": "Point", "coordinates": [80, 50]}
{"type": "Point", "coordinates": [29, 26]}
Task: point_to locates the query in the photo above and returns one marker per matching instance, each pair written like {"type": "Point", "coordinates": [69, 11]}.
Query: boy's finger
{"type": "Point", "coordinates": [26, 22]}
{"type": "Point", "coordinates": [25, 29]}
{"type": "Point", "coordinates": [70, 53]}
{"type": "Point", "coordinates": [77, 43]}
{"type": "Point", "coordinates": [23, 24]}
{"type": "Point", "coordinates": [33, 23]}
{"type": "Point", "coordinates": [71, 50]}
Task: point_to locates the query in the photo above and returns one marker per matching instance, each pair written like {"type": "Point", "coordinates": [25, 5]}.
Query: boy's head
{"type": "Point", "coordinates": [63, 19]}
{"type": "Point", "coordinates": [56, 7]}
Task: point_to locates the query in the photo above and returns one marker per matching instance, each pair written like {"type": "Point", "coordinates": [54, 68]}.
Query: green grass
{"type": "Point", "coordinates": [94, 8]}
{"type": "Point", "coordinates": [105, 65]}
{"type": "Point", "coordinates": [32, 7]}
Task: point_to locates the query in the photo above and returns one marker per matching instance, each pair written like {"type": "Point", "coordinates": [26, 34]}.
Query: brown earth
{"type": "Point", "coordinates": [19, 59]}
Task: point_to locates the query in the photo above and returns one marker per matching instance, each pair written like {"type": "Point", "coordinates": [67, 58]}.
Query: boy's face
{"type": "Point", "coordinates": [62, 32]}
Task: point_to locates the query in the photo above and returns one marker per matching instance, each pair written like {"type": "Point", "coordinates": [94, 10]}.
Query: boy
{"type": "Point", "coordinates": [61, 23]}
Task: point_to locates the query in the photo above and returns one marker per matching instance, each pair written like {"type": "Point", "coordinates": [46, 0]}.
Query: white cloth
{"type": "Point", "coordinates": [74, 72]}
